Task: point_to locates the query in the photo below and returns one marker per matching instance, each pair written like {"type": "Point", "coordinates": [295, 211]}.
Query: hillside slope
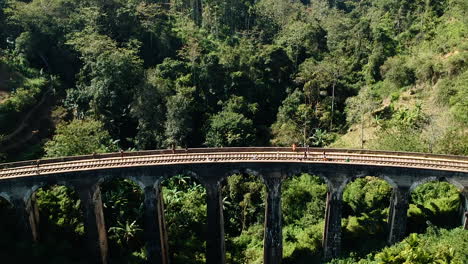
{"type": "Point", "coordinates": [422, 102]}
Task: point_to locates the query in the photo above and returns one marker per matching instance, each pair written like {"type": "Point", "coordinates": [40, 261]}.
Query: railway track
{"type": "Point", "coordinates": [233, 155]}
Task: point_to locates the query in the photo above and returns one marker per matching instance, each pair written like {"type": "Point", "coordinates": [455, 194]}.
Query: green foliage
{"type": "Point", "coordinates": [395, 71]}
{"type": "Point", "coordinates": [185, 214]}
{"type": "Point", "coordinates": [106, 81]}
{"type": "Point", "coordinates": [403, 131]}
{"type": "Point", "coordinates": [154, 73]}
{"type": "Point", "coordinates": [359, 106]}
{"type": "Point", "coordinates": [435, 246]}
{"type": "Point", "coordinates": [79, 137]}
{"type": "Point", "coordinates": [244, 207]}
{"type": "Point", "coordinates": [61, 218]}
{"type": "Point", "coordinates": [179, 123]}
{"type": "Point", "coordinates": [232, 127]}
{"type": "Point", "coordinates": [152, 99]}
{"type": "Point", "coordinates": [244, 197]}
{"type": "Point", "coordinates": [366, 202]}
{"type": "Point", "coordinates": [247, 247]}
{"type": "Point", "coordinates": [62, 208]}
{"type": "Point", "coordinates": [365, 194]}
{"type": "Point", "coordinates": [23, 97]}
{"type": "Point", "coordinates": [23, 86]}
{"type": "Point", "coordinates": [303, 206]}
{"type": "Point", "coordinates": [452, 92]}
{"type": "Point", "coordinates": [427, 67]}
{"type": "Point", "coordinates": [123, 233]}
{"type": "Point", "coordinates": [298, 122]}
{"type": "Point", "coordinates": [123, 211]}
{"type": "Point", "coordinates": [303, 200]}
{"type": "Point", "coordinates": [454, 141]}
{"type": "Point", "coordinates": [434, 203]}
{"type": "Point", "coordinates": [302, 244]}
{"type": "Point", "coordinates": [291, 122]}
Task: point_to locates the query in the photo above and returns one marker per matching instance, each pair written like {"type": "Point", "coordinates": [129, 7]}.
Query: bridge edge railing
{"type": "Point", "coordinates": [226, 150]}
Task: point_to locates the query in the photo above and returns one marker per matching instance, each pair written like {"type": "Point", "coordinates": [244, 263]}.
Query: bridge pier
{"type": "Point", "coordinates": [464, 209]}
{"type": "Point", "coordinates": [273, 239]}
{"type": "Point", "coordinates": [332, 231]}
{"type": "Point", "coordinates": [27, 215]}
{"type": "Point", "coordinates": [465, 220]}
{"type": "Point", "coordinates": [398, 214]}
{"type": "Point", "coordinates": [155, 233]}
{"type": "Point", "coordinates": [215, 248]}
{"type": "Point", "coordinates": [95, 228]}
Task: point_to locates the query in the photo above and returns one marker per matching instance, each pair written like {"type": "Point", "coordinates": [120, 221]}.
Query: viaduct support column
{"type": "Point", "coordinates": [27, 216]}
{"type": "Point", "coordinates": [94, 226]}
{"type": "Point", "coordinates": [273, 239]}
{"type": "Point", "coordinates": [464, 210]}
{"type": "Point", "coordinates": [332, 232]}
{"type": "Point", "coordinates": [215, 250]}
{"type": "Point", "coordinates": [155, 232]}
{"type": "Point", "coordinates": [397, 215]}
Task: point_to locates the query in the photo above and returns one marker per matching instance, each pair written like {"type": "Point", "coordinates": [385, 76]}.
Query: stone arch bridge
{"type": "Point", "coordinates": [84, 174]}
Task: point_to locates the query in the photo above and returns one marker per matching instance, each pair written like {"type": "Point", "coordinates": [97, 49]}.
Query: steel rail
{"type": "Point", "coordinates": [245, 155]}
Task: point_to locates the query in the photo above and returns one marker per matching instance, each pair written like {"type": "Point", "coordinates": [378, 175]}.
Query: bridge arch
{"type": "Point", "coordinates": [297, 170]}
{"type": "Point", "coordinates": [180, 171]}
{"type": "Point", "coordinates": [222, 179]}
{"type": "Point", "coordinates": [351, 178]}
{"type": "Point", "coordinates": [107, 178]}
{"type": "Point", "coordinates": [421, 212]}
{"type": "Point", "coordinates": [424, 180]}
{"type": "Point", "coordinates": [5, 196]}
{"type": "Point", "coordinates": [5, 202]}
{"type": "Point", "coordinates": [28, 195]}
{"type": "Point", "coordinates": [46, 219]}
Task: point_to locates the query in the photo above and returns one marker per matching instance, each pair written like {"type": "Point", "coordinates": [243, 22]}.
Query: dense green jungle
{"type": "Point", "coordinates": [92, 76]}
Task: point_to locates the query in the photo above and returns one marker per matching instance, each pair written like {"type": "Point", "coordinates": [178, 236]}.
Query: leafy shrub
{"type": "Point", "coordinates": [62, 208]}
{"type": "Point", "coordinates": [456, 63]}
{"type": "Point", "coordinates": [427, 67]}
{"type": "Point", "coordinates": [454, 141]}
{"type": "Point", "coordinates": [303, 200]}
{"type": "Point", "coordinates": [248, 246]}
{"type": "Point", "coordinates": [435, 246]}
{"type": "Point", "coordinates": [403, 131]}
{"type": "Point", "coordinates": [19, 101]}
{"type": "Point", "coordinates": [434, 202]}
{"type": "Point", "coordinates": [302, 244]}
{"type": "Point", "coordinates": [80, 137]}
{"type": "Point", "coordinates": [397, 72]}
